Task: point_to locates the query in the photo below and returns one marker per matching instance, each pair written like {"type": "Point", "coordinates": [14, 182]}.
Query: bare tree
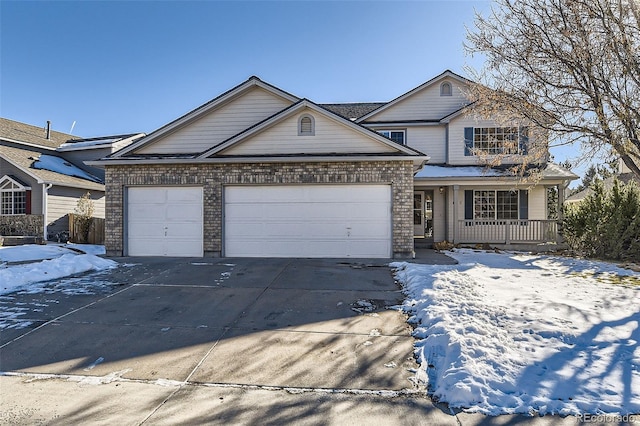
{"type": "Point", "coordinates": [570, 67]}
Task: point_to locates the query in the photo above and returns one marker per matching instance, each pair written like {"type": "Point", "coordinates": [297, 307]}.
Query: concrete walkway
{"type": "Point", "coordinates": [223, 341]}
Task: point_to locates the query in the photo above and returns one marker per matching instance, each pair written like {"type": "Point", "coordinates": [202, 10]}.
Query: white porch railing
{"type": "Point", "coordinates": [507, 231]}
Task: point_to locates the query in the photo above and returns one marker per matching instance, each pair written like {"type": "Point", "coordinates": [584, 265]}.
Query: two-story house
{"type": "Point", "coordinates": [43, 175]}
{"type": "Point", "coordinates": [260, 172]}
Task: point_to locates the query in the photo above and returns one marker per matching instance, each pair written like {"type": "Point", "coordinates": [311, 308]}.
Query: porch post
{"type": "Point", "coordinates": [456, 189]}
{"type": "Point", "coordinates": [559, 236]}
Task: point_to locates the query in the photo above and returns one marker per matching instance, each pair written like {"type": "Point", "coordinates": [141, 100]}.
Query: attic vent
{"type": "Point", "coordinates": [445, 89]}
{"type": "Point", "coordinates": [306, 126]}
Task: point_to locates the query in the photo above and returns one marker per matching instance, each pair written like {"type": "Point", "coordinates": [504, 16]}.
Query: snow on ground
{"type": "Point", "coordinates": [59, 261]}
{"type": "Point", "coordinates": [504, 333]}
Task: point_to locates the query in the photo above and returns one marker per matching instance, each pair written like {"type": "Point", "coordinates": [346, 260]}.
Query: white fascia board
{"type": "Point", "coordinates": [204, 109]}
{"type": "Point", "coordinates": [292, 111]}
{"type": "Point", "coordinates": [231, 160]}
{"type": "Point", "coordinates": [404, 96]}
{"type": "Point", "coordinates": [29, 144]}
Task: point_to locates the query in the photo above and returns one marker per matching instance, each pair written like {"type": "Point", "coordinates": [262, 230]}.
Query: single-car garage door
{"type": "Point", "coordinates": [164, 221]}
{"type": "Point", "coordinates": [308, 221]}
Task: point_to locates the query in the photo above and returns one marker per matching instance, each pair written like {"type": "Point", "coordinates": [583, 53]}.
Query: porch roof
{"type": "Point", "coordinates": [550, 172]}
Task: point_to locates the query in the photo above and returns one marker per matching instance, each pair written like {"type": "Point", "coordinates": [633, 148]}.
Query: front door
{"type": "Point", "coordinates": [423, 214]}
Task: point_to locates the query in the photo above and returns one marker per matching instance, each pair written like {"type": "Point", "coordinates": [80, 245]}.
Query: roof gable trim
{"type": "Point", "coordinates": [429, 83]}
{"type": "Point", "coordinates": [213, 104]}
{"type": "Point", "coordinates": [293, 109]}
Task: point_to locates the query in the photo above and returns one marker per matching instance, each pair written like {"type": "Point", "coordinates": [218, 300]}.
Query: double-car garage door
{"type": "Point", "coordinates": [265, 221]}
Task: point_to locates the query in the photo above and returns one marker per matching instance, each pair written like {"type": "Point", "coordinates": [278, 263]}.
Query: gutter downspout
{"type": "Point", "coordinates": [45, 193]}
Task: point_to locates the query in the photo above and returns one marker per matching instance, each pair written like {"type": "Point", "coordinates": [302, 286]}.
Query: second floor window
{"type": "Point", "coordinates": [395, 135]}
{"type": "Point", "coordinates": [495, 140]}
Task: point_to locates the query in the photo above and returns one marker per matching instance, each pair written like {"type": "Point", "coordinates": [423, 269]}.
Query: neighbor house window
{"type": "Point", "coordinates": [499, 205]}
{"type": "Point", "coordinates": [495, 140]}
{"type": "Point", "coordinates": [13, 197]}
{"type": "Point", "coordinates": [306, 126]}
{"type": "Point", "coordinates": [445, 89]}
{"type": "Point", "coordinates": [395, 135]}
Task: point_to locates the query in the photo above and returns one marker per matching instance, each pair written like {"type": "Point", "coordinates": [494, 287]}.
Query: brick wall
{"type": "Point", "coordinates": [212, 177]}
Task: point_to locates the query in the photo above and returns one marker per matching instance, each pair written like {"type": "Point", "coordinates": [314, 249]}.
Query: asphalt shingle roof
{"type": "Point", "coordinates": [353, 110]}
{"type": "Point", "coordinates": [34, 135]}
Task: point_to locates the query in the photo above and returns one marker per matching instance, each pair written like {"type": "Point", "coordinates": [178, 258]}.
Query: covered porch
{"type": "Point", "coordinates": [476, 205]}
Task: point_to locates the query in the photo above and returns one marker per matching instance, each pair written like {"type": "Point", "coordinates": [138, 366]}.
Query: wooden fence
{"type": "Point", "coordinates": [96, 231]}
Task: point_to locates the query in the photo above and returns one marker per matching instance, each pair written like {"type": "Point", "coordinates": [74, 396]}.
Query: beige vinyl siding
{"type": "Point", "coordinates": [431, 140]}
{"type": "Point", "coordinates": [426, 104]}
{"type": "Point", "coordinates": [538, 203]}
{"type": "Point", "coordinates": [219, 125]}
{"type": "Point", "coordinates": [63, 200]}
{"type": "Point", "coordinates": [330, 137]}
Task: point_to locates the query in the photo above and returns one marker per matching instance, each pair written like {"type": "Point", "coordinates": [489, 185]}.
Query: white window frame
{"type": "Point", "coordinates": [487, 204]}
{"type": "Point", "coordinates": [13, 197]}
{"type": "Point", "coordinates": [387, 133]}
{"type": "Point", "coordinates": [496, 140]}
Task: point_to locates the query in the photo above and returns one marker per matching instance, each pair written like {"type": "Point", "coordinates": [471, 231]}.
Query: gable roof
{"type": "Point", "coordinates": [295, 108]}
{"type": "Point", "coordinates": [24, 159]}
{"type": "Point", "coordinates": [14, 131]}
{"type": "Point", "coordinates": [445, 74]}
{"type": "Point", "coordinates": [200, 111]}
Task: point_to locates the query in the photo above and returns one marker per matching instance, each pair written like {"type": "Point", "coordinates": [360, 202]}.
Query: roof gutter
{"type": "Point", "coordinates": [230, 160]}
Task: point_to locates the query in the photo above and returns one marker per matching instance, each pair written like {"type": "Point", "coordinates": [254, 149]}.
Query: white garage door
{"type": "Point", "coordinates": [164, 221]}
{"type": "Point", "coordinates": [308, 221]}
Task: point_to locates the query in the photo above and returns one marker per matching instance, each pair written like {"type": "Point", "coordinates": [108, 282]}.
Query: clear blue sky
{"type": "Point", "coordinates": [122, 67]}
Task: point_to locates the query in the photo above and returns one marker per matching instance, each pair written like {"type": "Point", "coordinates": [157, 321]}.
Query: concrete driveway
{"type": "Point", "coordinates": [218, 341]}
{"type": "Point", "coordinates": [211, 330]}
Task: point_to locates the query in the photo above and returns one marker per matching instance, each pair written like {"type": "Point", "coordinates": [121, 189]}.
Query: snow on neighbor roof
{"type": "Point", "coordinates": [60, 165]}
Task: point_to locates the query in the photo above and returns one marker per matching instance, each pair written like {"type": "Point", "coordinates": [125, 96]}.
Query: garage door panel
{"type": "Point", "coordinates": [150, 195]}
{"type": "Point", "coordinates": [146, 230]}
{"type": "Point", "coordinates": [185, 195]}
{"type": "Point", "coordinates": [184, 212]}
{"type": "Point", "coordinates": [308, 221]}
{"type": "Point", "coordinates": [148, 247]}
{"type": "Point", "coordinates": [146, 212]}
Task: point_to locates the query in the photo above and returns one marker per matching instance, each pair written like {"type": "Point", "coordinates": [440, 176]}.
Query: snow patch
{"type": "Point", "coordinates": [60, 165]}
{"type": "Point", "coordinates": [504, 333]}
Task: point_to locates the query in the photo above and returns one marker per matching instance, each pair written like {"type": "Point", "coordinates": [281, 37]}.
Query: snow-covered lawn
{"type": "Point", "coordinates": [47, 262]}
{"type": "Point", "coordinates": [507, 333]}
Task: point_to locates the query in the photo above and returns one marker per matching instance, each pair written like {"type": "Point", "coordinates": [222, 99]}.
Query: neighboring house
{"type": "Point", "coordinates": [260, 172]}
{"type": "Point", "coordinates": [42, 176]}
{"type": "Point", "coordinates": [624, 175]}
